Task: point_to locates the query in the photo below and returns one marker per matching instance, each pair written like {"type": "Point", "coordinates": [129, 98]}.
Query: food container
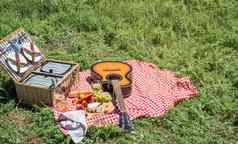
{"type": "Point", "coordinates": [36, 78]}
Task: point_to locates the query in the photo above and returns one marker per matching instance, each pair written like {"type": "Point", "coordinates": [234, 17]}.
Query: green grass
{"type": "Point", "coordinates": [196, 38]}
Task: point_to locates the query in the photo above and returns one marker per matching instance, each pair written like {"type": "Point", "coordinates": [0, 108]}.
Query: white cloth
{"type": "Point", "coordinates": [75, 124]}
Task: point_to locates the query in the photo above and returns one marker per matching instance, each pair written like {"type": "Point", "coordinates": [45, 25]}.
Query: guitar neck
{"type": "Point", "coordinates": [119, 96]}
{"type": "Point", "coordinates": [124, 119]}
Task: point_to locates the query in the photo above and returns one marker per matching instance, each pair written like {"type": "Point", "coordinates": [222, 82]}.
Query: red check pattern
{"type": "Point", "coordinates": [154, 92]}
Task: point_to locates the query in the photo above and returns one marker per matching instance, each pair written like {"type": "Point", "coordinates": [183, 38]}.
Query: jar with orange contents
{"type": "Point", "coordinates": [60, 101]}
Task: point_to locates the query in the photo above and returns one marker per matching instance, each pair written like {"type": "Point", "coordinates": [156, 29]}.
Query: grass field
{"type": "Point", "coordinates": [196, 38]}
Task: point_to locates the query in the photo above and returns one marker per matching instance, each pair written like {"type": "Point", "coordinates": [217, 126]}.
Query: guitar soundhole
{"type": "Point", "coordinates": [113, 77]}
{"type": "Point", "coordinates": [107, 86]}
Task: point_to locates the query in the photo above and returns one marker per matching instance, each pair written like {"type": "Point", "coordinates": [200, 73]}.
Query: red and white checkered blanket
{"type": "Point", "coordinates": [154, 92]}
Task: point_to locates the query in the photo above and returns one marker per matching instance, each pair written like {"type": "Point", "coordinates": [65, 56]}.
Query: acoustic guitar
{"type": "Point", "coordinates": [115, 77]}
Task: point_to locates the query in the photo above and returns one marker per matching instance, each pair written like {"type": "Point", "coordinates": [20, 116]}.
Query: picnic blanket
{"type": "Point", "coordinates": [154, 92]}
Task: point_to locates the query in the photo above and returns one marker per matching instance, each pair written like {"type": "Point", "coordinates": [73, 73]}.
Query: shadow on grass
{"type": "Point", "coordinates": [7, 92]}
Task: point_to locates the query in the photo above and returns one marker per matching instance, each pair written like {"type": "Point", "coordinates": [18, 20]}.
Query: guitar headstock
{"type": "Point", "coordinates": [124, 121]}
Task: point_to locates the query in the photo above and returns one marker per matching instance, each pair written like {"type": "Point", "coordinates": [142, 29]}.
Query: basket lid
{"type": "Point", "coordinates": [19, 54]}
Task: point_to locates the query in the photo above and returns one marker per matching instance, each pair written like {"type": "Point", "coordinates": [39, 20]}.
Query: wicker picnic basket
{"type": "Point", "coordinates": [11, 50]}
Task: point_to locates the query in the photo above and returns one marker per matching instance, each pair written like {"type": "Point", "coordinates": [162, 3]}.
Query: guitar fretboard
{"type": "Point", "coordinates": [118, 94]}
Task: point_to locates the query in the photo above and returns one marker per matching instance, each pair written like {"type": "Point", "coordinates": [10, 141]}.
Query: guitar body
{"type": "Point", "coordinates": [116, 78]}
{"type": "Point", "coordinates": [113, 70]}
